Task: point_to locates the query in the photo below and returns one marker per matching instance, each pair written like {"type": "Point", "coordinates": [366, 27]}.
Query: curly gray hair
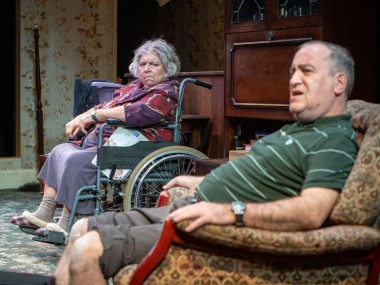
{"type": "Point", "coordinates": [165, 51]}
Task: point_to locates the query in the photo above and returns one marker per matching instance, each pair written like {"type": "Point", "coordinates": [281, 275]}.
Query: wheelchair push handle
{"type": "Point", "coordinates": [194, 81]}
{"type": "Point", "coordinates": [203, 84]}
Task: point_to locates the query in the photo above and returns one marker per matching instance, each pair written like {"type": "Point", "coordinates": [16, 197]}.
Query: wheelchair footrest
{"type": "Point", "coordinates": [53, 237]}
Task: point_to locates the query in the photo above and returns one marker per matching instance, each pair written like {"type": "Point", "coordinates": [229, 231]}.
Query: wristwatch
{"type": "Point", "coordinates": [239, 209]}
{"type": "Point", "coordinates": [93, 116]}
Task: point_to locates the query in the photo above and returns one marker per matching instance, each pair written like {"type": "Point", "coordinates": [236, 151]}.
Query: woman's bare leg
{"type": "Point", "coordinates": [49, 191]}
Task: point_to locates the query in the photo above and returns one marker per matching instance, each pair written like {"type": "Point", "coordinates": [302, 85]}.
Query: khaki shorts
{"type": "Point", "coordinates": [128, 236]}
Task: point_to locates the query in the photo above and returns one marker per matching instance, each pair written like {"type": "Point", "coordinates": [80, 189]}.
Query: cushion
{"type": "Point", "coordinates": [176, 193]}
{"type": "Point", "coordinates": [124, 275]}
{"type": "Point", "coordinates": [358, 203]}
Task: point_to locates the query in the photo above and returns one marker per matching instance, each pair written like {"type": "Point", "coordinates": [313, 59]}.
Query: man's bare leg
{"type": "Point", "coordinates": [79, 263]}
{"type": "Point", "coordinates": [61, 273]}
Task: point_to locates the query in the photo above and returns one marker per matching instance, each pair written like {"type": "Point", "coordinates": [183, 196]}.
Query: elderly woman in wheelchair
{"type": "Point", "coordinates": [150, 99]}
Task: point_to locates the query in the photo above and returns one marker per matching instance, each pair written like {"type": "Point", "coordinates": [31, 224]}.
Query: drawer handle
{"type": "Point", "coordinates": [270, 36]}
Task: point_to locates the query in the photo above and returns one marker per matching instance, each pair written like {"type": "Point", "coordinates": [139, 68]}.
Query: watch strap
{"type": "Point", "coordinates": [94, 117]}
{"type": "Point", "coordinates": [239, 220]}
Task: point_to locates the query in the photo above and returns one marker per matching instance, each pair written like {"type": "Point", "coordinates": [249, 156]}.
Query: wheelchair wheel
{"type": "Point", "coordinates": [155, 170]}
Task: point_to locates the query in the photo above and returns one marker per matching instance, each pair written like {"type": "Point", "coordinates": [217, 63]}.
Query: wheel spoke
{"type": "Point", "coordinates": [146, 180]}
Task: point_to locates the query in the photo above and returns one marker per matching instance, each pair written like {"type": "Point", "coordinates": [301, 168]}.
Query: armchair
{"type": "Point", "coordinates": [345, 251]}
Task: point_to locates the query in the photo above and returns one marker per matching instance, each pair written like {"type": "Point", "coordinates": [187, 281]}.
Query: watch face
{"type": "Point", "coordinates": [238, 207]}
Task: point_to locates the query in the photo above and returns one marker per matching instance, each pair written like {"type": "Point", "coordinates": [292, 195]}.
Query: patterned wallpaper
{"type": "Point", "coordinates": [76, 40]}
{"type": "Point", "coordinates": [196, 27]}
{"type": "Point", "coordinates": [69, 48]}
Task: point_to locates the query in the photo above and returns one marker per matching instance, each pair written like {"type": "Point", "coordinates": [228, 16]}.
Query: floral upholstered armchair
{"type": "Point", "coordinates": [345, 251]}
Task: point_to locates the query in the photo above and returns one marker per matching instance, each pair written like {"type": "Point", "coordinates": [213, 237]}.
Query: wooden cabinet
{"type": "Point", "coordinates": [261, 37]}
{"type": "Point", "coordinates": [257, 71]}
{"type": "Point", "coordinates": [201, 103]}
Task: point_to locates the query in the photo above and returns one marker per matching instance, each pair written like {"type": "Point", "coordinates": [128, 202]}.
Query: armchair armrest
{"type": "Point", "coordinates": [330, 240]}
{"type": "Point", "coordinates": [350, 244]}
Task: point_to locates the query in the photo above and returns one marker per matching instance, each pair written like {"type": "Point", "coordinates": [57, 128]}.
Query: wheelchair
{"type": "Point", "coordinates": [151, 165]}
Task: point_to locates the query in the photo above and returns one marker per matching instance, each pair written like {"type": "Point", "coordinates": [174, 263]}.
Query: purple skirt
{"type": "Point", "coordinates": [68, 168]}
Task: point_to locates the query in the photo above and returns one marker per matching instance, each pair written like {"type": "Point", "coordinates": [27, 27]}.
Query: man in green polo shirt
{"type": "Point", "coordinates": [290, 180]}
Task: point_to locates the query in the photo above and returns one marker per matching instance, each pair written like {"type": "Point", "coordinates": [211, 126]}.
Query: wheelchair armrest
{"type": "Point", "coordinates": [162, 124]}
{"type": "Point", "coordinates": [116, 122]}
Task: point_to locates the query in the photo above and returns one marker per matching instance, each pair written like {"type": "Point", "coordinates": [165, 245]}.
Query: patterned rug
{"type": "Point", "coordinates": [18, 252]}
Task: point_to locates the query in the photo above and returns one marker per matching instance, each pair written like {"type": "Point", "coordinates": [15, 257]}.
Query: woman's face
{"type": "Point", "coordinates": [151, 70]}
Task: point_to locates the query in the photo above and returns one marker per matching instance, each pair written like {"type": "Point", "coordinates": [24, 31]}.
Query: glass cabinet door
{"type": "Point", "coordinates": [256, 15]}
{"type": "Point", "coordinates": [245, 15]}
{"type": "Point", "coordinates": [295, 13]}
{"type": "Point", "coordinates": [247, 11]}
{"type": "Point", "coordinates": [296, 8]}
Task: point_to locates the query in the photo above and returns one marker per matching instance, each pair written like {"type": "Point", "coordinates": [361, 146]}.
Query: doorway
{"type": "Point", "coordinates": [136, 21]}
{"type": "Point", "coordinates": [8, 82]}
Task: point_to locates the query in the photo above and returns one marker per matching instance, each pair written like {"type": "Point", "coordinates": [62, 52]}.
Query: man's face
{"type": "Point", "coordinates": [311, 85]}
{"type": "Point", "coordinates": [151, 70]}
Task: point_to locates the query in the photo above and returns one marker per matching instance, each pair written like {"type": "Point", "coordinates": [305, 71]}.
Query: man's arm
{"type": "Point", "coordinates": [305, 212]}
{"type": "Point", "coordinates": [186, 181]}
{"type": "Point", "coordinates": [308, 211]}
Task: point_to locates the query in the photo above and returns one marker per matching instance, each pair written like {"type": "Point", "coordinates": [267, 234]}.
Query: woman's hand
{"type": "Point", "coordinates": [203, 213]}
{"type": "Point", "coordinates": [186, 181]}
{"type": "Point", "coordinates": [77, 124]}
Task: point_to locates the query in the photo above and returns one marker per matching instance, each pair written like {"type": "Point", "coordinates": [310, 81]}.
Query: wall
{"type": "Point", "coordinates": [69, 48]}
{"type": "Point", "coordinates": [196, 28]}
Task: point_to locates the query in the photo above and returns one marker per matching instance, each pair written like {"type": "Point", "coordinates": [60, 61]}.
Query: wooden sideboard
{"type": "Point", "coordinates": [209, 103]}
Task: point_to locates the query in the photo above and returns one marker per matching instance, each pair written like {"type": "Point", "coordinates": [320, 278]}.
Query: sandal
{"type": "Point", "coordinates": [31, 230]}
{"type": "Point", "coordinates": [24, 225]}
{"type": "Point", "coordinates": [55, 228]}
{"type": "Point", "coordinates": [49, 227]}
{"type": "Point", "coordinates": [20, 221]}
{"type": "Point", "coordinates": [34, 220]}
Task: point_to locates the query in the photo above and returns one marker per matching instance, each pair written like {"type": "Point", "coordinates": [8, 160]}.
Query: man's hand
{"type": "Point", "coordinates": [204, 213]}
{"type": "Point", "coordinates": [186, 181]}
{"type": "Point", "coordinates": [305, 212]}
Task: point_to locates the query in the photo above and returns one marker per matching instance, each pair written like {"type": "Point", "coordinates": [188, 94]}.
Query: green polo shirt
{"type": "Point", "coordinates": [282, 164]}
